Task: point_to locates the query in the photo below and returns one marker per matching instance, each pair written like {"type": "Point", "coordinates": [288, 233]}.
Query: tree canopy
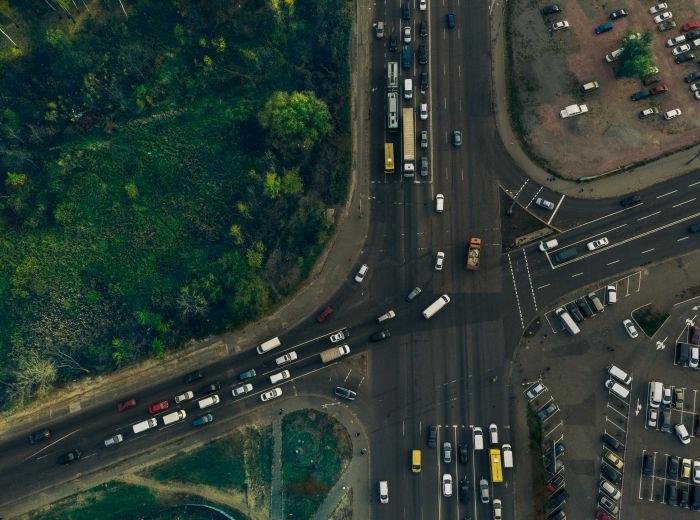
{"type": "Point", "coordinates": [636, 58]}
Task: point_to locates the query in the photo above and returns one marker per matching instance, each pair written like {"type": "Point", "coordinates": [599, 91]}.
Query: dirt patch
{"type": "Point", "coordinates": [547, 69]}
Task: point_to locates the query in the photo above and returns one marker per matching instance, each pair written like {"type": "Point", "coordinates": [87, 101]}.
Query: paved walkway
{"type": "Point", "coordinates": [610, 186]}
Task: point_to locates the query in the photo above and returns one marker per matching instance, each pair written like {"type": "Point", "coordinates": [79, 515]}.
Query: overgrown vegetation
{"type": "Point", "coordinates": [650, 319]}
{"type": "Point", "coordinates": [163, 176]}
{"type": "Point", "coordinates": [636, 57]}
{"type": "Point", "coordinates": [316, 449]}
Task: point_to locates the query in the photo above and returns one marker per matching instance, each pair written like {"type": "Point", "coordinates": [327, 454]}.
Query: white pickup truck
{"type": "Point", "coordinates": [573, 110]}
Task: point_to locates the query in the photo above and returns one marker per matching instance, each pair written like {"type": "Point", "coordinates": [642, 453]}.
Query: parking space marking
{"type": "Point", "coordinates": [556, 209]}
{"type": "Point", "coordinates": [555, 428]}
{"type": "Point", "coordinates": [534, 197]}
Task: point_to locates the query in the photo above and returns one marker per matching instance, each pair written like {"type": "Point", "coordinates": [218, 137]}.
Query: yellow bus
{"type": "Point", "coordinates": [496, 467]}
{"type": "Point", "coordinates": [415, 461]}
{"type": "Point", "coordinates": [389, 157]}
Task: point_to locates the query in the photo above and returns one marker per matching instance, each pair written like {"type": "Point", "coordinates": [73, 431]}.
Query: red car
{"type": "Point", "coordinates": [325, 314]}
{"type": "Point", "coordinates": [158, 407]}
{"type": "Point", "coordinates": [690, 26]}
{"type": "Point", "coordinates": [602, 515]}
{"type": "Point", "coordinates": [658, 89]}
{"type": "Point", "coordinates": [555, 483]}
{"type": "Point", "coordinates": [125, 405]}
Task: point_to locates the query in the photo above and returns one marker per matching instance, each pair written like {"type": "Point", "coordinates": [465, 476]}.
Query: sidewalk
{"type": "Point", "coordinates": [610, 186]}
{"type": "Point", "coordinates": [329, 274]}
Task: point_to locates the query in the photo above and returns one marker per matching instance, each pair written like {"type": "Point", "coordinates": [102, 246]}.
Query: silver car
{"type": "Point", "coordinates": [446, 452]}
{"type": "Point", "coordinates": [484, 491]}
{"type": "Point", "coordinates": [542, 203]}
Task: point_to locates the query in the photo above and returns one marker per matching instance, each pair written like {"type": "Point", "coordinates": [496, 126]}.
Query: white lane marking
{"type": "Point", "coordinates": [613, 262]}
{"type": "Point", "coordinates": [648, 250]}
{"type": "Point", "coordinates": [593, 236]}
{"type": "Point", "coordinates": [575, 275]}
{"type": "Point", "coordinates": [604, 216]}
{"type": "Point", "coordinates": [556, 209]}
{"type": "Point", "coordinates": [693, 184]}
{"type": "Point", "coordinates": [532, 289]}
{"type": "Point", "coordinates": [665, 194]}
{"type": "Point", "coordinates": [681, 203]}
{"type": "Point", "coordinates": [534, 196]}
{"type": "Point", "coordinates": [543, 286]}
{"type": "Point", "coordinates": [650, 215]}
{"type": "Point", "coordinates": [681, 239]}
{"type": "Point", "coordinates": [515, 288]}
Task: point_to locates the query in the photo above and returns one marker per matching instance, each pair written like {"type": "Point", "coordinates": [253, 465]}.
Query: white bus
{"type": "Point", "coordinates": [392, 111]}
{"type": "Point", "coordinates": [392, 76]}
{"type": "Point", "coordinates": [269, 345]}
{"type": "Point", "coordinates": [567, 320]}
{"type": "Point", "coordinates": [436, 306]}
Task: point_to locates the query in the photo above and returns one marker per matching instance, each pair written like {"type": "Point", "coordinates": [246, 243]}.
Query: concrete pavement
{"type": "Point", "coordinates": [612, 185]}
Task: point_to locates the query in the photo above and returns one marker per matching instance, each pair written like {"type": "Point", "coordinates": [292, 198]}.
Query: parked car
{"type": "Point", "coordinates": [653, 417]}
{"type": "Point", "coordinates": [439, 260]}
{"type": "Point", "coordinates": [248, 374]}
{"type": "Point", "coordinates": [423, 80]}
{"type": "Point", "coordinates": [610, 474]}
{"type": "Point", "coordinates": [611, 442]}
{"type": "Point", "coordinates": [432, 436]}
{"type": "Point", "coordinates": [186, 396]}
{"type": "Point", "coordinates": [666, 26]}
{"type": "Point", "coordinates": [690, 26]}
{"type": "Point", "coordinates": [672, 114]}
{"type": "Point", "coordinates": [345, 393]}
{"type": "Point", "coordinates": [447, 485]}
{"type": "Point", "coordinates": [672, 467]}
{"type": "Point", "coordinates": [542, 203]}
{"type": "Point", "coordinates": [686, 56]}
{"type": "Point", "coordinates": [324, 314]}
{"type": "Point", "coordinates": [422, 29]}
{"type": "Point", "coordinates": [424, 139]}
{"type": "Point", "coordinates": [210, 388]}
{"type": "Point", "coordinates": [393, 42]}
{"type": "Point", "coordinates": [534, 390]}
{"type": "Point", "coordinates": [575, 312]}
{"type": "Point", "coordinates": [550, 9]}
{"type": "Point", "coordinates": [640, 94]}
{"type": "Point", "coordinates": [547, 411]}
{"type": "Point", "coordinates": [125, 405]}
{"type": "Point", "coordinates": [654, 9]}
{"type": "Point", "coordinates": [678, 397]}
{"type": "Point", "coordinates": [39, 436]}
{"type": "Point", "coordinates": [667, 15]}
{"type": "Point", "coordinates": [380, 336]}
{"type": "Point", "coordinates": [555, 483]}
{"type": "Point", "coordinates": [658, 89]}
{"type": "Point", "coordinates": [603, 28]}
{"type": "Point", "coordinates": [407, 34]}
{"type": "Point", "coordinates": [675, 40]}
{"type": "Point", "coordinates": [270, 394]}
{"type": "Point", "coordinates": [405, 12]}
{"type": "Point", "coordinates": [463, 449]}
{"type": "Point", "coordinates": [682, 433]}
{"type": "Point", "coordinates": [484, 491]}
{"type": "Point", "coordinates": [650, 80]}
{"type": "Point", "coordinates": [630, 328]}
{"type": "Point", "coordinates": [686, 467]}
{"type": "Point", "coordinates": [242, 389]}
{"type": "Point", "coordinates": [446, 452]}
{"type": "Point", "coordinates": [614, 460]}
{"type": "Point", "coordinates": [647, 112]}
{"type": "Point", "coordinates": [423, 166]}
{"type": "Point", "coordinates": [413, 294]}
{"type": "Point", "coordinates": [558, 26]}
{"type": "Point", "coordinates": [619, 13]}
{"type": "Point", "coordinates": [339, 336]}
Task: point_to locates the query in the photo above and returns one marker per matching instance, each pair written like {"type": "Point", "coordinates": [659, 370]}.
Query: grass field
{"type": "Point", "coordinates": [316, 448]}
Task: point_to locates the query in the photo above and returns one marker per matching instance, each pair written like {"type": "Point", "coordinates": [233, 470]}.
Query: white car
{"type": "Point", "coordinates": [630, 328]}
{"type": "Point", "coordinates": [694, 87]}
{"type": "Point", "coordinates": [549, 244]}
{"type": "Point", "coordinates": [663, 16]}
{"type": "Point", "coordinates": [672, 113]}
{"type": "Point", "coordinates": [423, 5]}
{"type": "Point", "coordinates": [694, 360]}
{"type": "Point", "coordinates": [534, 391]}
{"type": "Point", "coordinates": [243, 389]}
{"type": "Point", "coordinates": [439, 261]}
{"type": "Point", "coordinates": [447, 485]}
{"type": "Point", "coordinates": [696, 471]}
{"type": "Point", "coordinates": [681, 49]}
{"type": "Point", "coordinates": [407, 34]}
{"type": "Point", "coordinates": [682, 433]}
{"type": "Point", "coordinates": [667, 396]}
{"type": "Point", "coordinates": [184, 397]}
{"type": "Point", "coordinates": [338, 336]}
{"type": "Point", "coordinates": [697, 94]}
{"type": "Point", "coordinates": [361, 273]}
{"type": "Point", "coordinates": [484, 491]}
{"type": "Point", "coordinates": [542, 203]}
{"type": "Point", "coordinates": [658, 8]}
{"type": "Point", "coordinates": [497, 509]}
{"type": "Point", "coordinates": [383, 492]}
{"type": "Point", "coordinates": [493, 433]}
{"type": "Point", "coordinates": [270, 394]}
{"type": "Point", "coordinates": [653, 418]}
{"type": "Point", "coordinates": [558, 26]}
{"type": "Point", "coordinates": [424, 111]}
{"type": "Point", "coordinates": [676, 40]}
{"type": "Point", "coordinates": [287, 358]}
{"type": "Point", "coordinates": [597, 244]}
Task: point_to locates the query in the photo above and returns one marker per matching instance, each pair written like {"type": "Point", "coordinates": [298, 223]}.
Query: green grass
{"type": "Point", "coordinates": [649, 319]}
{"type": "Point", "coordinates": [220, 464]}
{"type": "Point", "coordinates": [316, 448]}
{"type": "Point", "coordinates": [260, 467]}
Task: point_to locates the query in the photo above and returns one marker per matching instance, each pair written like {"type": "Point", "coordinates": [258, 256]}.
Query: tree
{"type": "Point", "coordinates": [295, 122]}
{"type": "Point", "coordinates": [636, 58]}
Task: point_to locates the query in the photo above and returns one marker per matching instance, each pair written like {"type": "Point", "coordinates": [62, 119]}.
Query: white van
{"type": "Point", "coordinates": [145, 425]}
{"type": "Point", "coordinates": [434, 307]}
{"type": "Point", "coordinates": [507, 456]}
{"type": "Point", "coordinates": [567, 321]}
{"type": "Point", "coordinates": [174, 417]}
{"type": "Point", "coordinates": [493, 433]}
{"type": "Point", "coordinates": [478, 438]}
{"type": "Point", "coordinates": [656, 394]}
{"type": "Point", "coordinates": [620, 374]}
{"type": "Point", "coordinates": [115, 439]}
{"type": "Point", "coordinates": [279, 376]}
{"type": "Point", "coordinates": [383, 491]}
{"type": "Point", "coordinates": [439, 203]}
{"type": "Point", "coordinates": [616, 388]}
{"type": "Point", "coordinates": [610, 294]}
{"type": "Point", "coordinates": [269, 345]}
{"type": "Point", "coordinates": [208, 401]}
{"type": "Point", "coordinates": [408, 88]}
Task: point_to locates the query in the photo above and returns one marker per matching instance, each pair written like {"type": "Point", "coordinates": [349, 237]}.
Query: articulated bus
{"type": "Point", "coordinates": [496, 468]}
{"type": "Point", "coordinates": [388, 157]}
{"type": "Point", "coordinates": [393, 111]}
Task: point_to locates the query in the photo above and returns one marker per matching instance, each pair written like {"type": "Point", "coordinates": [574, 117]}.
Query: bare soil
{"type": "Point", "coordinates": [549, 67]}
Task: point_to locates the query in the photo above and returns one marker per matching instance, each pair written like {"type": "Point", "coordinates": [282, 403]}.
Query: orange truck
{"type": "Point", "coordinates": [473, 253]}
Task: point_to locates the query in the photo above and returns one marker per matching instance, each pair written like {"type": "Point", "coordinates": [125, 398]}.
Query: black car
{"type": "Point", "coordinates": [422, 29]}
{"type": "Point", "coordinates": [39, 436]}
{"type": "Point", "coordinates": [575, 313]}
{"type": "Point", "coordinates": [695, 506]}
{"type": "Point", "coordinates": [665, 422]}
{"type": "Point", "coordinates": [672, 494]}
{"type": "Point", "coordinates": [686, 56]}
{"type": "Point", "coordinates": [432, 436]}
{"type": "Point", "coordinates": [557, 500]}
{"type": "Point", "coordinates": [381, 335]}
{"type": "Point", "coordinates": [393, 43]}
{"type": "Point", "coordinates": [345, 393]}
{"type": "Point", "coordinates": [648, 465]}
{"type": "Point", "coordinates": [692, 76]}
{"type": "Point", "coordinates": [71, 456]}
{"type": "Point", "coordinates": [193, 376]}
{"type": "Point", "coordinates": [550, 9]}
{"type": "Point", "coordinates": [691, 35]}
{"type": "Point", "coordinates": [672, 468]}
{"type": "Point", "coordinates": [619, 13]}
{"type": "Point", "coordinates": [640, 94]}
{"type": "Point", "coordinates": [464, 490]}
{"type": "Point", "coordinates": [424, 81]}
{"type": "Point", "coordinates": [610, 474]}
{"type": "Point", "coordinates": [405, 12]}
{"type": "Point", "coordinates": [612, 442]}
{"type": "Point", "coordinates": [585, 308]}
{"type": "Point", "coordinates": [632, 200]}
{"type": "Point", "coordinates": [547, 411]}
{"type": "Point", "coordinates": [422, 54]}
{"type": "Point", "coordinates": [210, 388]}
{"type": "Point", "coordinates": [463, 449]}
{"type": "Point", "coordinates": [685, 496]}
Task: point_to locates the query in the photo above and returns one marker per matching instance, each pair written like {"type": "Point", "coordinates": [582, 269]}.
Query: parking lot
{"type": "Point", "coordinates": [549, 68]}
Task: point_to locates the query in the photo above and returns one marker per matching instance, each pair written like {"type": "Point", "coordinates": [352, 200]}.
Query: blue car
{"type": "Point", "coordinates": [248, 374]}
{"type": "Point", "coordinates": [451, 20]}
{"type": "Point", "coordinates": [204, 419]}
{"type": "Point", "coordinates": [605, 27]}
